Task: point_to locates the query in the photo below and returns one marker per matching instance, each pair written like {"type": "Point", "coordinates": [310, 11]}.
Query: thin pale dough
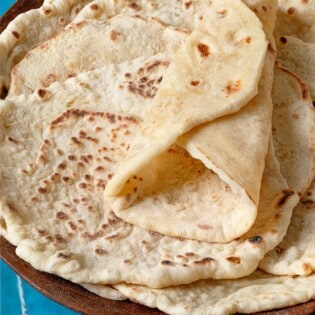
{"type": "Point", "coordinates": [188, 94]}
{"type": "Point", "coordinates": [123, 252]}
{"type": "Point", "coordinates": [18, 38]}
{"type": "Point", "coordinates": [258, 292]}
{"type": "Point", "coordinates": [89, 45]}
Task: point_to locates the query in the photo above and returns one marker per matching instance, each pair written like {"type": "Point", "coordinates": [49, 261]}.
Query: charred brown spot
{"type": "Point", "coordinates": [60, 152]}
{"type": "Point", "coordinates": [62, 166]}
{"type": "Point", "coordinates": [167, 263]}
{"type": "Point", "coordinates": [72, 225]}
{"type": "Point", "coordinates": [291, 11]}
{"type": "Point", "coordinates": [127, 261]}
{"type": "Point", "coordinates": [75, 140]}
{"type": "Point", "coordinates": [188, 4]}
{"type": "Point", "coordinates": [190, 254]}
{"type": "Point", "coordinates": [255, 239]}
{"type": "Point", "coordinates": [64, 256]}
{"type": "Point", "coordinates": [128, 75]}
{"type": "Point", "coordinates": [100, 169]}
{"type": "Point", "coordinates": [248, 40]}
{"type": "Point", "coordinates": [203, 49]}
{"type": "Point", "coordinates": [100, 251]}
{"type": "Point", "coordinates": [47, 11]}
{"type": "Point", "coordinates": [49, 238]}
{"type": "Point", "coordinates": [61, 215]}
{"type": "Point", "coordinates": [101, 184]}
{"type": "Point", "coordinates": [233, 87]}
{"type": "Point", "coordinates": [59, 238]}
{"type": "Point", "coordinates": [286, 194]}
{"type": "Point", "coordinates": [113, 35]}
{"type": "Point", "coordinates": [234, 259]}
{"type": "Point", "coordinates": [264, 8]}
{"type": "Point", "coordinates": [98, 129]}
{"type": "Point", "coordinates": [4, 91]}
{"type": "Point", "coordinates": [83, 185]}
{"type": "Point", "coordinates": [92, 139]}
{"type": "Point", "coordinates": [283, 39]}
{"type": "Point", "coordinates": [204, 261]}
{"type": "Point", "coordinates": [13, 140]}
{"type": "Point", "coordinates": [15, 34]}
{"type": "Point", "coordinates": [134, 6]}
{"type": "Point", "coordinates": [71, 157]}
{"type": "Point", "coordinates": [65, 179]}
{"type": "Point", "coordinates": [41, 93]}
{"type": "Point", "coordinates": [195, 83]}
{"type": "Point", "coordinates": [111, 237]}
{"type": "Point", "coordinates": [88, 177]}
{"type": "Point", "coordinates": [204, 226]}
{"type": "Point", "coordinates": [94, 6]}
{"type": "Point", "coordinates": [42, 190]}
{"type": "Point", "coordinates": [307, 201]}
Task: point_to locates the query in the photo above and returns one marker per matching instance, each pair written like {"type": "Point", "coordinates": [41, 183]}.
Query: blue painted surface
{"type": "Point", "coordinates": [10, 299]}
{"type": "Point", "coordinates": [5, 5]}
{"type": "Point", "coordinates": [35, 302]}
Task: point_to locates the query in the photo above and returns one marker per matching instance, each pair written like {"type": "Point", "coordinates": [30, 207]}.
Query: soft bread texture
{"type": "Point", "coordinates": [298, 57]}
{"type": "Point", "coordinates": [181, 13]}
{"type": "Point", "coordinates": [86, 242]}
{"type": "Point", "coordinates": [180, 104]}
{"type": "Point", "coordinates": [171, 202]}
{"type": "Point", "coordinates": [90, 45]}
{"type": "Point", "coordinates": [30, 29]}
{"type": "Point", "coordinates": [104, 291]}
{"type": "Point", "coordinates": [258, 292]}
{"type": "Point", "coordinates": [295, 255]}
{"type": "Point", "coordinates": [296, 18]}
{"type": "Point", "coordinates": [293, 134]}
{"type": "Point", "coordinates": [238, 174]}
{"type": "Point", "coordinates": [293, 130]}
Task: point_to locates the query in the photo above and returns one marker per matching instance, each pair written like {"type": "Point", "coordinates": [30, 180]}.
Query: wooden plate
{"type": "Point", "coordinates": [72, 295]}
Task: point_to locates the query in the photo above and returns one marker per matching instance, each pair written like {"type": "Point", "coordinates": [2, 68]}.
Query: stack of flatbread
{"type": "Point", "coordinates": [163, 151]}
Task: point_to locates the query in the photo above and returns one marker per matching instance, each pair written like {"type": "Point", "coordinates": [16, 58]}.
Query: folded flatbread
{"type": "Point", "coordinates": [188, 94]}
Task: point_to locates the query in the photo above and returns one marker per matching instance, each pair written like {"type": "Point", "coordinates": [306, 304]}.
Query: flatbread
{"type": "Point", "coordinates": [258, 292]}
{"type": "Point", "coordinates": [105, 291]}
{"type": "Point", "coordinates": [86, 242]}
{"type": "Point", "coordinates": [293, 133]}
{"type": "Point", "coordinates": [293, 129]}
{"type": "Point", "coordinates": [173, 199]}
{"type": "Point", "coordinates": [187, 91]}
{"type": "Point", "coordinates": [295, 255]}
{"type": "Point", "coordinates": [298, 57]}
{"type": "Point", "coordinates": [18, 38]}
{"type": "Point", "coordinates": [239, 171]}
{"type": "Point", "coordinates": [90, 45]}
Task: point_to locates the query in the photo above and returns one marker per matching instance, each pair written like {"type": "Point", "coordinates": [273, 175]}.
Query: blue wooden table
{"type": "Point", "coordinates": [16, 296]}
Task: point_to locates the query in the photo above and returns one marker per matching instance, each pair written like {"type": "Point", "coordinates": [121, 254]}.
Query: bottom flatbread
{"type": "Point", "coordinates": [258, 292]}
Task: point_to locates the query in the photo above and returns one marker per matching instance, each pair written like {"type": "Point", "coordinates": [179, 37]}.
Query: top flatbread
{"type": "Point", "coordinates": [187, 90]}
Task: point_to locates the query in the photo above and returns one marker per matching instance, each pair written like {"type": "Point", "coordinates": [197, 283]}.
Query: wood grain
{"type": "Point", "coordinates": [72, 295]}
